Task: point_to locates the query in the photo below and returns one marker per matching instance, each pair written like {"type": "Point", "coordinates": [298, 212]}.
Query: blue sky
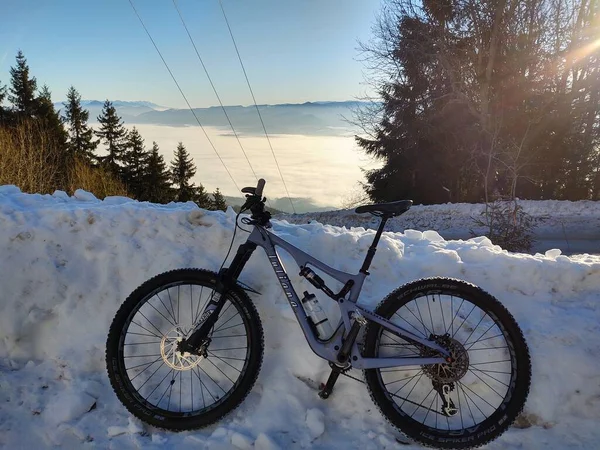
{"type": "Point", "coordinates": [294, 51]}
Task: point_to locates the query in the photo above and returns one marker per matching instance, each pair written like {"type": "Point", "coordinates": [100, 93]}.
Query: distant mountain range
{"type": "Point", "coordinates": [310, 118]}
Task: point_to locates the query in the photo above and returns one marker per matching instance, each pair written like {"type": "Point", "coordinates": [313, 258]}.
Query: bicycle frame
{"type": "Point", "coordinates": [328, 349]}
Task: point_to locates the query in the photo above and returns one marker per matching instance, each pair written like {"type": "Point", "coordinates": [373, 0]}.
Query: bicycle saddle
{"type": "Point", "coordinates": [391, 209]}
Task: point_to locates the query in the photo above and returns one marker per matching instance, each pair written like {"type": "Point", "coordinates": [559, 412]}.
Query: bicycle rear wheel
{"type": "Point", "coordinates": [477, 395]}
{"type": "Point", "coordinates": [181, 391]}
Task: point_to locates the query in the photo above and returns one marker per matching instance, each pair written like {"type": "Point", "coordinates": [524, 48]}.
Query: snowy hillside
{"type": "Point", "coordinates": [573, 227]}
{"type": "Point", "coordinates": [68, 263]}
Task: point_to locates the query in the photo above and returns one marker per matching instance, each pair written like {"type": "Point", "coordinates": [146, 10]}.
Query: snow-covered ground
{"type": "Point", "coordinates": [68, 263]}
{"type": "Point", "coordinates": [573, 227]}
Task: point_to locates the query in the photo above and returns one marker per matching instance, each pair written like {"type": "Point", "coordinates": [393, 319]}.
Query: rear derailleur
{"type": "Point", "coordinates": [448, 407]}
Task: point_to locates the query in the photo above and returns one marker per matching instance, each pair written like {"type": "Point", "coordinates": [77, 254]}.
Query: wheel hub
{"type": "Point", "coordinates": [457, 363]}
{"type": "Point", "coordinates": [173, 356]}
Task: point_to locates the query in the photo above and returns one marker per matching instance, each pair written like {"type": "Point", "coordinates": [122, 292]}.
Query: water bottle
{"type": "Point", "coordinates": [316, 313]}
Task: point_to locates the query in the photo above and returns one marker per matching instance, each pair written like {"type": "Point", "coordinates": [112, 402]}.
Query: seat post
{"type": "Point", "coordinates": [371, 252]}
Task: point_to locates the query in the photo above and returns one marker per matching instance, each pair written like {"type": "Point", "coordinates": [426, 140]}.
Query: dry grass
{"type": "Point", "coordinates": [29, 158]}
{"type": "Point", "coordinates": [33, 161]}
{"type": "Point", "coordinates": [96, 180]}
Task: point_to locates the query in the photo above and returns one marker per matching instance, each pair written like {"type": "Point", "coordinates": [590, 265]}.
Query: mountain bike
{"type": "Point", "coordinates": [444, 361]}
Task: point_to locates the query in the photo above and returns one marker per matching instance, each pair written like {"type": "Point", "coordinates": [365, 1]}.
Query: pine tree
{"type": "Point", "coordinates": [218, 203]}
{"type": "Point", "coordinates": [202, 199]}
{"type": "Point", "coordinates": [22, 88]}
{"type": "Point", "coordinates": [182, 171]}
{"type": "Point", "coordinates": [135, 163]}
{"type": "Point", "coordinates": [113, 134]}
{"type": "Point", "coordinates": [52, 123]}
{"type": "Point", "coordinates": [46, 113]}
{"type": "Point", "coordinates": [81, 143]}
{"type": "Point", "coordinates": [3, 112]}
{"type": "Point", "coordinates": [157, 184]}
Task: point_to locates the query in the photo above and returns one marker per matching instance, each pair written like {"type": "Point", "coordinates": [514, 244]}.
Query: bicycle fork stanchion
{"type": "Point", "coordinates": [343, 355]}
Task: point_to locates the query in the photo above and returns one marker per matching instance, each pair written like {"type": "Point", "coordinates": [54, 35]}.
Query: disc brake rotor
{"type": "Point", "coordinates": [172, 356]}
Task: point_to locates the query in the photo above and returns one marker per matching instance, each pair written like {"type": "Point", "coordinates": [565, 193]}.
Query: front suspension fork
{"type": "Point", "coordinates": [227, 277]}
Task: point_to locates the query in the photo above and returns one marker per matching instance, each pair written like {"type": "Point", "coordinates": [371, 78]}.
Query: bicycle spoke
{"type": "Point", "coordinates": [414, 328]}
{"type": "Point", "coordinates": [442, 311]}
{"type": "Point", "coordinates": [166, 309]}
{"type": "Point", "coordinates": [224, 323]}
{"type": "Point", "coordinates": [486, 339]}
{"type": "Point", "coordinates": [484, 382]}
{"type": "Point", "coordinates": [149, 378]}
{"type": "Point", "coordinates": [456, 315]}
{"type": "Point", "coordinates": [211, 379]}
{"type": "Point", "coordinates": [219, 369]}
{"type": "Point", "coordinates": [142, 371]}
{"type": "Point", "coordinates": [463, 322]}
{"type": "Point", "coordinates": [142, 343]}
{"type": "Point", "coordinates": [414, 403]}
{"type": "Point", "coordinates": [224, 362]}
{"type": "Point", "coordinates": [167, 388]}
{"type": "Point", "coordinates": [199, 376]}
{"type": "Point", "coordinates": [427, 332]}
{"type": "Point", "coordinates": [172, 308]}
{"type": "Point", "coordinates": [171, 389]}
{"type": "Point", "coordinates": [146, 329]}
{"type": "Point", "coordinates": [468, 397]}
{"type": "Point", "coordinates": [161, 314]}
{"type": "Point", "coordinates": [232, 326]}
{"type": "Point", "coordinates": [152, 324]}
{"type": "Point", "coordinates": [428, 409]}
{"type": "Point", "coordinates": [476, 326]}
{"type": "Point", "coordinates": [478, 396]}
{"type": "Point", "coordinates": [430, 315]}
{"type": "Point", "coordinates": [467, 402]}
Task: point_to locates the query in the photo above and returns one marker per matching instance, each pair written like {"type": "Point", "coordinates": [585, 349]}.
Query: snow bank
{"type": "Point", "coordinates": [68, 262]}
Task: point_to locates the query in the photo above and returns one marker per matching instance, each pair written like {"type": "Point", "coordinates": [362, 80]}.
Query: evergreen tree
{"type": "Point", "coordinates": [47, 114]}
{"type": "Point", "coordinates": [468, 108]}
{"type": "Point", "coordinates": [52, 124]}
{"type": "Point", "coordinates": [135, 164]}
{"type": "Point", "coordinates": [218, 203]}
{"type": "Point", "coordinates": [22, 88]}
{"type": "Point", "coordinates": [202, 199]}
{"type": "Point", "coordinates": [3, 112]}
{"type": "Point", "coordinates": [157, 184]}
{"type": "Point", "coordinates": [81, 137]}
{"type": "Point", "coordinates": [112, 133]}
{"type": "Point", "coordinates": [182, 171]}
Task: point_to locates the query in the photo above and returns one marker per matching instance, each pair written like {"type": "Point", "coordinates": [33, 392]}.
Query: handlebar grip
{"type": "Point", "coordinates": [259, 187]}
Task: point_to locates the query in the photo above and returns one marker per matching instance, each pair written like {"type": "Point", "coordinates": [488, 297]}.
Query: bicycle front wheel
{"type": "Point", "coordinates": [177, 390]}
{"type": "Point", "coordinates": [473, 398]}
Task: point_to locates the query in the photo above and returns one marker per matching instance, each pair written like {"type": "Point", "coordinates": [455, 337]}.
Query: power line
{"type": "Point", "coordinates": [183, 95]}
{"type": "Point", "coordinates": [213, 87]}
{"type": "Point", "coordinates": [256, 106]}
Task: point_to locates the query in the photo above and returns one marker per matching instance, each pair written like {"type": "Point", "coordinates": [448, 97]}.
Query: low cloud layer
{"type": "Point", "coordinates": [325, 169]}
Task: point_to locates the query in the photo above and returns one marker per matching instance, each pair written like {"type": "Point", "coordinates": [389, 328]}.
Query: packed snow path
{"type": "Point", "coordinates": [573, 227]}
{"type": "Point", "coordinates": [68, 263]}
